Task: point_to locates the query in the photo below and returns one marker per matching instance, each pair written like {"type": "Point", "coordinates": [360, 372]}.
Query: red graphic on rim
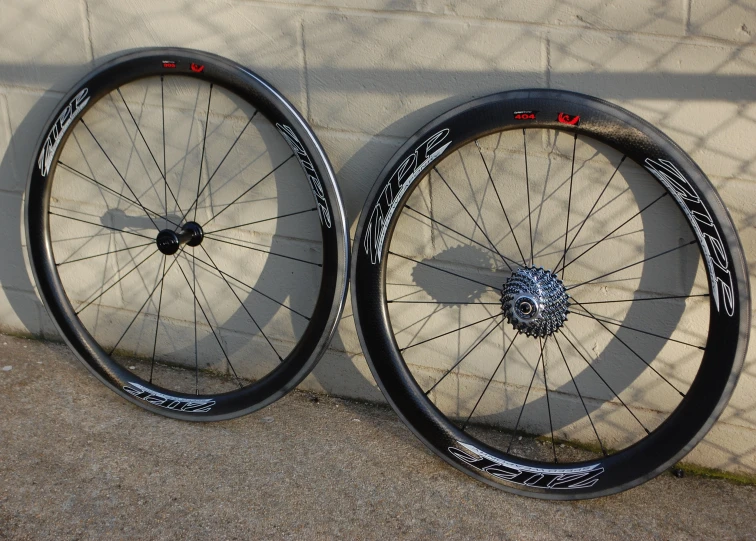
{"type": "Point", "coordinates": [525, 115]}
{"type": "Point", "coordinates": [197, 68]}
{"type": "Point", "coordinates": [572, 120]}
{"type": "Point", "coordinates": [169, 64]}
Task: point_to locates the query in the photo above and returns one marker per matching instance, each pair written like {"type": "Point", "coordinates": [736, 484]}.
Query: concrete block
{"type": "Point", "coordinates": [43, 44]}
{"type": "Point", "coordinates": [265, 39]}
{"type": "Point", "coordinates": [726, 447]}
{"type": "Point", "coordinates": [694, 93]}
{"type": "Point", "coordinates": [27, 113]}
{"type": "Point", "coordinates": [723, 19]}
{"type": "Point", "coordinates": [357, 160]}
{"type": "Point", "coordinates": [13, 271]}
{"type": "Point", "coordinates": [389, 75]}
{"type": "Point", "coordinates": [7, 158]}
{"type": "Point", "coordinates": [627, 66]}
{"type": "Point", "coordinates": [19, 312]}
{"type": "Point", "coordinates": [646, 16]}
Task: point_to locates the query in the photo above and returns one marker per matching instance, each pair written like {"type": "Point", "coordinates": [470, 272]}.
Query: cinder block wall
{"type": "Point", "coordinates": [368, 73]}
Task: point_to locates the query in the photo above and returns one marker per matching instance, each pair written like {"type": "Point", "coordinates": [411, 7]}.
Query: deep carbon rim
{"type": "Point", "coordinates": [243, 114]}
{"type": "Point", "coordinates": [391, 197]}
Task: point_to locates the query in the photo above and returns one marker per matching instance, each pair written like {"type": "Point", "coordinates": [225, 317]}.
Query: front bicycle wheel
{"type": "Point", "coordinates": [550, 294]}
{"type": "Point", "coordinates": [186, 234]}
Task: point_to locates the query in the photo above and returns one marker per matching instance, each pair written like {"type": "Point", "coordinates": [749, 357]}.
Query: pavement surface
{"type": "Point", "coordinates": [78, 462]}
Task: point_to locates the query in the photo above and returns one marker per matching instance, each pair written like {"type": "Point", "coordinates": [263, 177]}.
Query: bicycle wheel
{"type": "Point", "coordinates": [550, 294]}
{"type": "Point", "coordinates": [186, 234]}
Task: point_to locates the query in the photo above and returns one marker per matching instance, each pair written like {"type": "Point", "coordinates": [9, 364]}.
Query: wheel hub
{"type": "Point", "coordinates": [169, 242]}
{"type": "Point", "coordinates": [535, 301]}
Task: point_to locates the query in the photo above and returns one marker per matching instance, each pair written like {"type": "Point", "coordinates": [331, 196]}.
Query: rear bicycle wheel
{"type": "Point", "coordinates": [550, 294]}
{"type": "Point", "coordinates": [186, 234]}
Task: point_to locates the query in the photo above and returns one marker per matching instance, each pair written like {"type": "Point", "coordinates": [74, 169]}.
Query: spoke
{"type": "Point", "coordinates": [442, 270]}
{"type": "Point", "coordinates": [472, 218]}
{"type": "Point", "coordinates": [611, 232]}
{"type": "Point", "coordinates": [242, 304]}
{"type": "Point", "coordinates": [567, 227]}
{"type": "Point", "coordinates": [80, 310]}
{"type": "Point", "coordinates": [165, 166]}
{"type": "Point", "coordinates": [450, 332]}
{"type": "Point", "coordinates": [160, 304]}
{"type": "Point", "coordinates": [102, 254]}
{"type": "Point", "coordinates": [196, 201]}
{"type": "Point", "coordinates": [159, 284]}
{"type": "Point", "coordinates": [464, 357]}
{"type": "Point", "coordinates": [650, 298]}
{"type": "Point", "coordinates": [442, 302]}
{"type": "Point", "coordinates": [247, 191]}
{"type": "Point", "coordinates": [548, 403]}
{"type": "Point", "coordinates": [603, 380]}
{"type": "Point", "coordinates": [119, 174]}
{"type": "Point", "coordinates": [217, 339]}
{"type": "Point", "coordinates": [490, 178]}
{"type": "Point", "coordinates": [260, 221]}
{"type": "Point", "coordinates": [222, 239]}
{"type": "Point", "coordinates": [101, 225]}
{"type": "Point", "coordinates": [532, 379]}
{"type": "Point", "coordinates": [590, 213]}
{"type": "Point", "coordinates": [166, 187]}
{"type": "Point", "coordinates": [111, 190]}
{"type": "Point", "coordinates": [196, 348]}
{"type": "Point", "coordinates": [251, 288]}
{"type": "Point", "coordinates": [162, 171]}
{"type": "Point", "coordinates": [460, 234]}
{"type": "Point", "coordinates": [609, 322]}
{"type": "Point", "coordinates": [621, 341]}
{"type": "Point", "coordinates": [633, 264]}
{"type": "Point", "coordinates": [527, 187]}
{"type": "Point", "coordinates": [489, 381]}
{"type": "Point", "coordinates": [601, 444]}
{"type": "Point", "coordinates": [202, 157]}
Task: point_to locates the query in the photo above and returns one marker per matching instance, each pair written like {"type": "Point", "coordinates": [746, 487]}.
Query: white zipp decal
{"type": "Point", "coordinates": [398, 183]}
{"type": "Point", "coordinates": [64, 120]}
{"type": "Point", "coordinates": [547, 478]}
{"type": "Point", "coordinates": [709, 237]}
{"type": "Point", "coordinates": [189, 405]}
{"type": "Point", "coordinates": [309, 169]}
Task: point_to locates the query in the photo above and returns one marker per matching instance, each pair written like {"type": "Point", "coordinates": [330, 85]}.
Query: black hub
{"type": "Point", "coordinates": [535, 301]}
{"type": "Point", "coordinates": [169, 242]}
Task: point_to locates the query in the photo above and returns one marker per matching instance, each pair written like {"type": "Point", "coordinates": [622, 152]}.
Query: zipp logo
{"type": "Point", "coordinates": [403, 176]}
{"type": "Point", "coordinates": [554, 479]}
{"type": "Point", "coordinates": [304, 159]}
{"type": "Point", "coordinates": [174, 403]}
{"type": "Point", "coordinates": [706, 230]}
{"type": "Point", "coordinates": [197, 68]}
{"type": "Point", "coordinates": [59, 128]}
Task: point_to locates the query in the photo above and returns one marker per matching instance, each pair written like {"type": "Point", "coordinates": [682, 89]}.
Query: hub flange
{"type": "Point", "coordinates": [169, 242]}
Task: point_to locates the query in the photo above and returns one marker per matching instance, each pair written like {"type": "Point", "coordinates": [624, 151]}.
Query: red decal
{"type": "Point", "coordinates": [568, 119]}
{"type": "Point", "coordinates": [169, 64]}
{"type": "Point", "coordinates": [525, 115]}
{"type": "Point", "coordinates": [196, 68]}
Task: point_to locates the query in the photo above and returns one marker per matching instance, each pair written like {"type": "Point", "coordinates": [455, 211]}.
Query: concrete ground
{"type": "Point", "coordinates": [77, 462]}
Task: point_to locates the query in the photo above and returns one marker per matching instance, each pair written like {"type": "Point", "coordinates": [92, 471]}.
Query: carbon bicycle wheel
{"type": "Point", "coordinates": [186, 234]}
{"type": "Point", "coordinates": [550, 294]}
